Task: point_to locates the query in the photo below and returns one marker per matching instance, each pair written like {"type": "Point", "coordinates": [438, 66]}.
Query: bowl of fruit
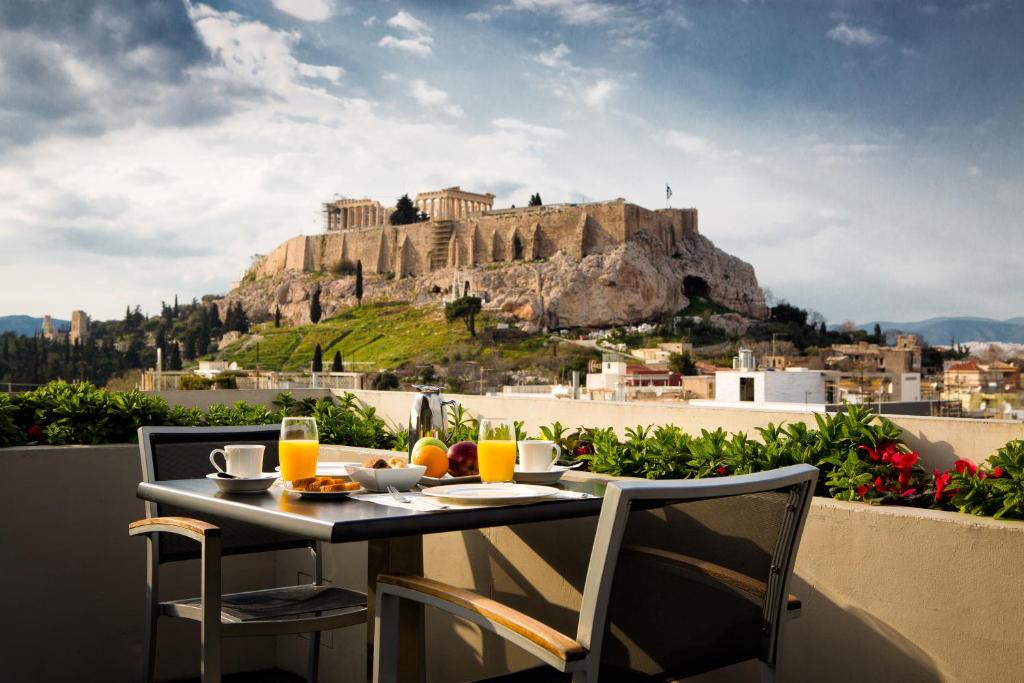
{"type": "Point", "coordinates": [377, 474]}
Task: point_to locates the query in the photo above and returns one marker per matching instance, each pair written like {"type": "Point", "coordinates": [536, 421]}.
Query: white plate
{"type": "Point", "coordinates": [491, 493]}
{"type": "Point", "coordinates": [249, 485]}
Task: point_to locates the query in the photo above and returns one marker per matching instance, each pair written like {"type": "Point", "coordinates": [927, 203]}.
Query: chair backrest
{"type": "Point", "coordinates": [184, 453]}
{"type": "Point", "coordinates": [689, 575]}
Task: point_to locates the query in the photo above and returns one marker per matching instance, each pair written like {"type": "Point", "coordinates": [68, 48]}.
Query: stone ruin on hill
{"type": "Point", "coordinates": [587, 265]}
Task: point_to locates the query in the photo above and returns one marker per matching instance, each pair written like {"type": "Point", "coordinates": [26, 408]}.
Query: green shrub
{"type": "Point", "coordinates": [10, 434]}
{"type": "Point", "coordinates": [194, 383]}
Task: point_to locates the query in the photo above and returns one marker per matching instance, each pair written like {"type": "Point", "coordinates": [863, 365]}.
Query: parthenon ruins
{"type": "Point", "coordinates": [446, 204]}
{"type": "Point", "coordinates": [453, 202]}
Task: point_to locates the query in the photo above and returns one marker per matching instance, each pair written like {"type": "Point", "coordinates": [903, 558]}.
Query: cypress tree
{"type": "Point", "coordinates": [175, 306]}
{"type": "Point", "coordinates": [213, 319]}
{"type": "Point", "coordinates": [277, 317]}
{"type": "Point", "coordinates": [314, 306]}
{"type": "Point", "coordinates": [822, 330]}
{"type": "Point", "coordinates": [318, 359]}
{"type": "Point", "coordinates": [359, 282]}
{"type": "Point", "coordinates": [174, 357]}
{"type": "Point", "coordinates": [336, 365]}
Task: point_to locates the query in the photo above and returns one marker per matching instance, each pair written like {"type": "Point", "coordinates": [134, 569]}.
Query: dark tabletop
{"type": "Point", "coordinates": [345, 520]}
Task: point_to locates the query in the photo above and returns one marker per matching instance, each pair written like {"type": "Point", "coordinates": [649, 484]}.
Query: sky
{"type": "Point", "coordinates": [867, 158]}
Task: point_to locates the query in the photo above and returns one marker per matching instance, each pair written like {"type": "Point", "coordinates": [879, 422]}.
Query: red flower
{"type": "Point", "coordinates": [941, 482]}
{"type": "Point", "coordinates": [889, 452]}
{"type": "Point", "coordinates": [904, 478]}
{"type": "Point", "coordinates": [904, 461]}
{"type": "Point", "coordinates": [722, 470]}
{"type": "Point", "coordinates": [879, 486]}
{"type": "Point", "coordinates": [34, 433]}
{"type": "Point", "coordinates": [872, 453]}
{"type": "Point", "coordinates": [996, 473]}
{"type": "Point", "coordinates": [909, 492]}
{"type": "Point", "coordinates": [965, 466]}
{"type": "Point", "coordinates": [862, 490]}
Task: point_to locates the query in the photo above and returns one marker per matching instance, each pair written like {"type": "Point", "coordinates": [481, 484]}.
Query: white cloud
{"type": "Point", "coordinates": [420, 46]}
{"type": "Point", "coordinates": [330, 73]}
{"type": "Point", "coordinates": [419, 43]}
{"type": "Point", "coordinates": [531, 129]}
{"type": "Point", "coordinates": [370, 21]}
{"type": "Point", "coordinates": [408, 22]}
{"type": "Point", "coordinates": [554, 58]}
{"type": "Point", "coordinates": [478, 16]}
{"type": "Point", "coordinates": [307, 10]}
{"type": "Point", "coordinates": [576, 12]}
{"type": "Point", "coordinates": [855, 35]}
{"type": "Point", "coordinates": [694, 145]}
{"type": "Point", "coordinates": [831, 153]}
{"type": "Point", "coordinates": [597, 94]}
{"type": "Point", "coordinates": [973, 172]}
{"type": "Point", "coordinates": [434, 98]}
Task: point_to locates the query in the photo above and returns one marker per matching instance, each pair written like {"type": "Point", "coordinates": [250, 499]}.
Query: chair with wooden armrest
{"type": "Point", "coordinates": [172, 536]}
{"type": "Point", "coordinates": [685, 576]}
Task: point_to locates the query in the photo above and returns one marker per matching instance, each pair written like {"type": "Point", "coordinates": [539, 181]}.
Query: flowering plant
{"type": "Point", "coordinates": [996, 488]}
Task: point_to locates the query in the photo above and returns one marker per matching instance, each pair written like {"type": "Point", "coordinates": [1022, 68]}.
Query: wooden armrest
{"type": "Point", "coordinates": [539, 633]}
{"type": "Point", "coordinates": [184, 526]}
{"type": "Point", "coordinates": [746, 586]}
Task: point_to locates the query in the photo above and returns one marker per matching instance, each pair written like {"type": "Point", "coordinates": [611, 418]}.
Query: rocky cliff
{"type": "Point", "coordinates": [631, 282]}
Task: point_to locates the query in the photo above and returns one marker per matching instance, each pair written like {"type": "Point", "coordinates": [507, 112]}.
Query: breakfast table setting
{"type": "Point", "coordinates": [388, 499]}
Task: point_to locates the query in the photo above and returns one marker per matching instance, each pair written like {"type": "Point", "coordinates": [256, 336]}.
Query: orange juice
{"type": "Point", "coordinates": [298, 458]}
{"type": "Point", "coordinates": [496, 460]}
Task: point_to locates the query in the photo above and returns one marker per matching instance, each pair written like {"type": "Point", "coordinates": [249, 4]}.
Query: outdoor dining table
{"type": "Point", "coordinates": [394, 534]}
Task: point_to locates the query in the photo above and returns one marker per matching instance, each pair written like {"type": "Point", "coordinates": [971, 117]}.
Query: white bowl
{"type": "Point", "coordinates": [378, 480]}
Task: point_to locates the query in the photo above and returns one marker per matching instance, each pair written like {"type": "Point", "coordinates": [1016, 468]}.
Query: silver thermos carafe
{"type": "Point", "coordinates": [427, 417]}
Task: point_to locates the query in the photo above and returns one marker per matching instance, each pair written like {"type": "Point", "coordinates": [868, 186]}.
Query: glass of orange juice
{"type": "Point", "coordinates": [496, 450]}
{"type": "Point", "coordinates": [298, 448]}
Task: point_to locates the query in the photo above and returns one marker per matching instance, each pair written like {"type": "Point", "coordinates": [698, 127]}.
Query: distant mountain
{"type": "Point", "coordinates": [26, 325]}
{"type": "Point", "coordinates": [942, 330]}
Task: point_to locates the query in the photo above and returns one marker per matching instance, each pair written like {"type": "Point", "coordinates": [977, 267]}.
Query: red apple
{"type": "Point", "coordinates": [462, 459]}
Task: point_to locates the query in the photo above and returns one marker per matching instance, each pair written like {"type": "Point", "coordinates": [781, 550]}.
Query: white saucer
{"type": "Point", "coordinates": [247, 485]}
{"type": "Point", "coordinates": [548, 477]}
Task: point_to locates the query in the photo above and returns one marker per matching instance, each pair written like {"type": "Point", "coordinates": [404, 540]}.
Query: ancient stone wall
{"type": "Point", "coordinates": [525, 234]}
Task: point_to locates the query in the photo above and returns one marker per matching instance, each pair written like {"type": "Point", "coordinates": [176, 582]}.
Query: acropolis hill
{"type": "Point", "coordinates": [560, 265]}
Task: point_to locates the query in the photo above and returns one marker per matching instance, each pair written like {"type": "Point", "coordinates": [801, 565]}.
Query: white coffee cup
{"type": "Point", "coordinates": [243, 460]}
{"type": "Point", "coordinates": [537, 456]}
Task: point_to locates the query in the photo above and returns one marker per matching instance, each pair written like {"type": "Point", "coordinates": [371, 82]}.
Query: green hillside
{"type": "Point", "coordinates": [407, 338]}
{"type": "Point", "coordinates": [386, 334]}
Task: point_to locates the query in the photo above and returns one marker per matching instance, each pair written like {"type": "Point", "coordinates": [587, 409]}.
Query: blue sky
{"type": "Point", "coordinates": [865, 157]}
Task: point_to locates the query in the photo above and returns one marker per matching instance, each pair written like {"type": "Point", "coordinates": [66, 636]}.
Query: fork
{"type": "Point", "coordinates": [406, 499]}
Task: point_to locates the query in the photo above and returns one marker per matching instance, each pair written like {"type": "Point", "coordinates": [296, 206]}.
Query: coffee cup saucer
{"type": "Point", "coordinates": [244, 484]}
{"type": "Point", "coordinates": [544, 477]}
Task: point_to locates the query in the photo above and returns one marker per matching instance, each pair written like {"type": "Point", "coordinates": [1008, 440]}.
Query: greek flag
{"type": "Point", "coordinates": [668, 191]}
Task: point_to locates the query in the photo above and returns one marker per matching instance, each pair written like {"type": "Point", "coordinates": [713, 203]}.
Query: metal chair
{"type": "Point", "coordinates": [685, 576]}
{"type": "Point", "coordinates": [171, 536]}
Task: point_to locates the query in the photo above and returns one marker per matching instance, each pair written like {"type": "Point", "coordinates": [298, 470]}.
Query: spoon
{"type": "Point", "coordinates": [225, 475]}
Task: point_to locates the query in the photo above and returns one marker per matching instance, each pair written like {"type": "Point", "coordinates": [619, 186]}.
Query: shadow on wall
{"type": "Point", "coordinates": [941, 454]}
{"type": "Point", "coordinates": [833, 643]}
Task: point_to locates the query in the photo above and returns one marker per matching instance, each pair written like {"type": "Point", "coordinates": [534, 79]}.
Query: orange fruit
{"type": "Point", "coordinates": [434, 457]}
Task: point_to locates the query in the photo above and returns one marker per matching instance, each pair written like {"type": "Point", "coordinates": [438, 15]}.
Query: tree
{"type": "Point", "coordinates": [535, 200]}
{"type": "Point", "coordinates": [175, 306]}
{"type": "Point", "coordinates": [213, 322]}
{"type": "Point", "coordinates": [878, 334]}
{"type": "Point", "coordinates": [682, 363]}
{"type": "Point", "coordinates": [277, 317]}
{"type": "Point", "coordinates": [405, 212]}
{"type": "Point", "coordinates": [336, 364]}
{"type": "Point", "coordinates": [385, 381]}
{"type": "Point", "coordinates": [174, 357]}
{"type": "Point", "coordinates": [318, 359]}
{"type": "Point", "coordinates": [359, 282]}
{"type": "Point", "coordinates": [464, 308]}
{"type": "Point", "coordinates": [314, 306]}
{"type": "Point", "coordinates": [822, 329]}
